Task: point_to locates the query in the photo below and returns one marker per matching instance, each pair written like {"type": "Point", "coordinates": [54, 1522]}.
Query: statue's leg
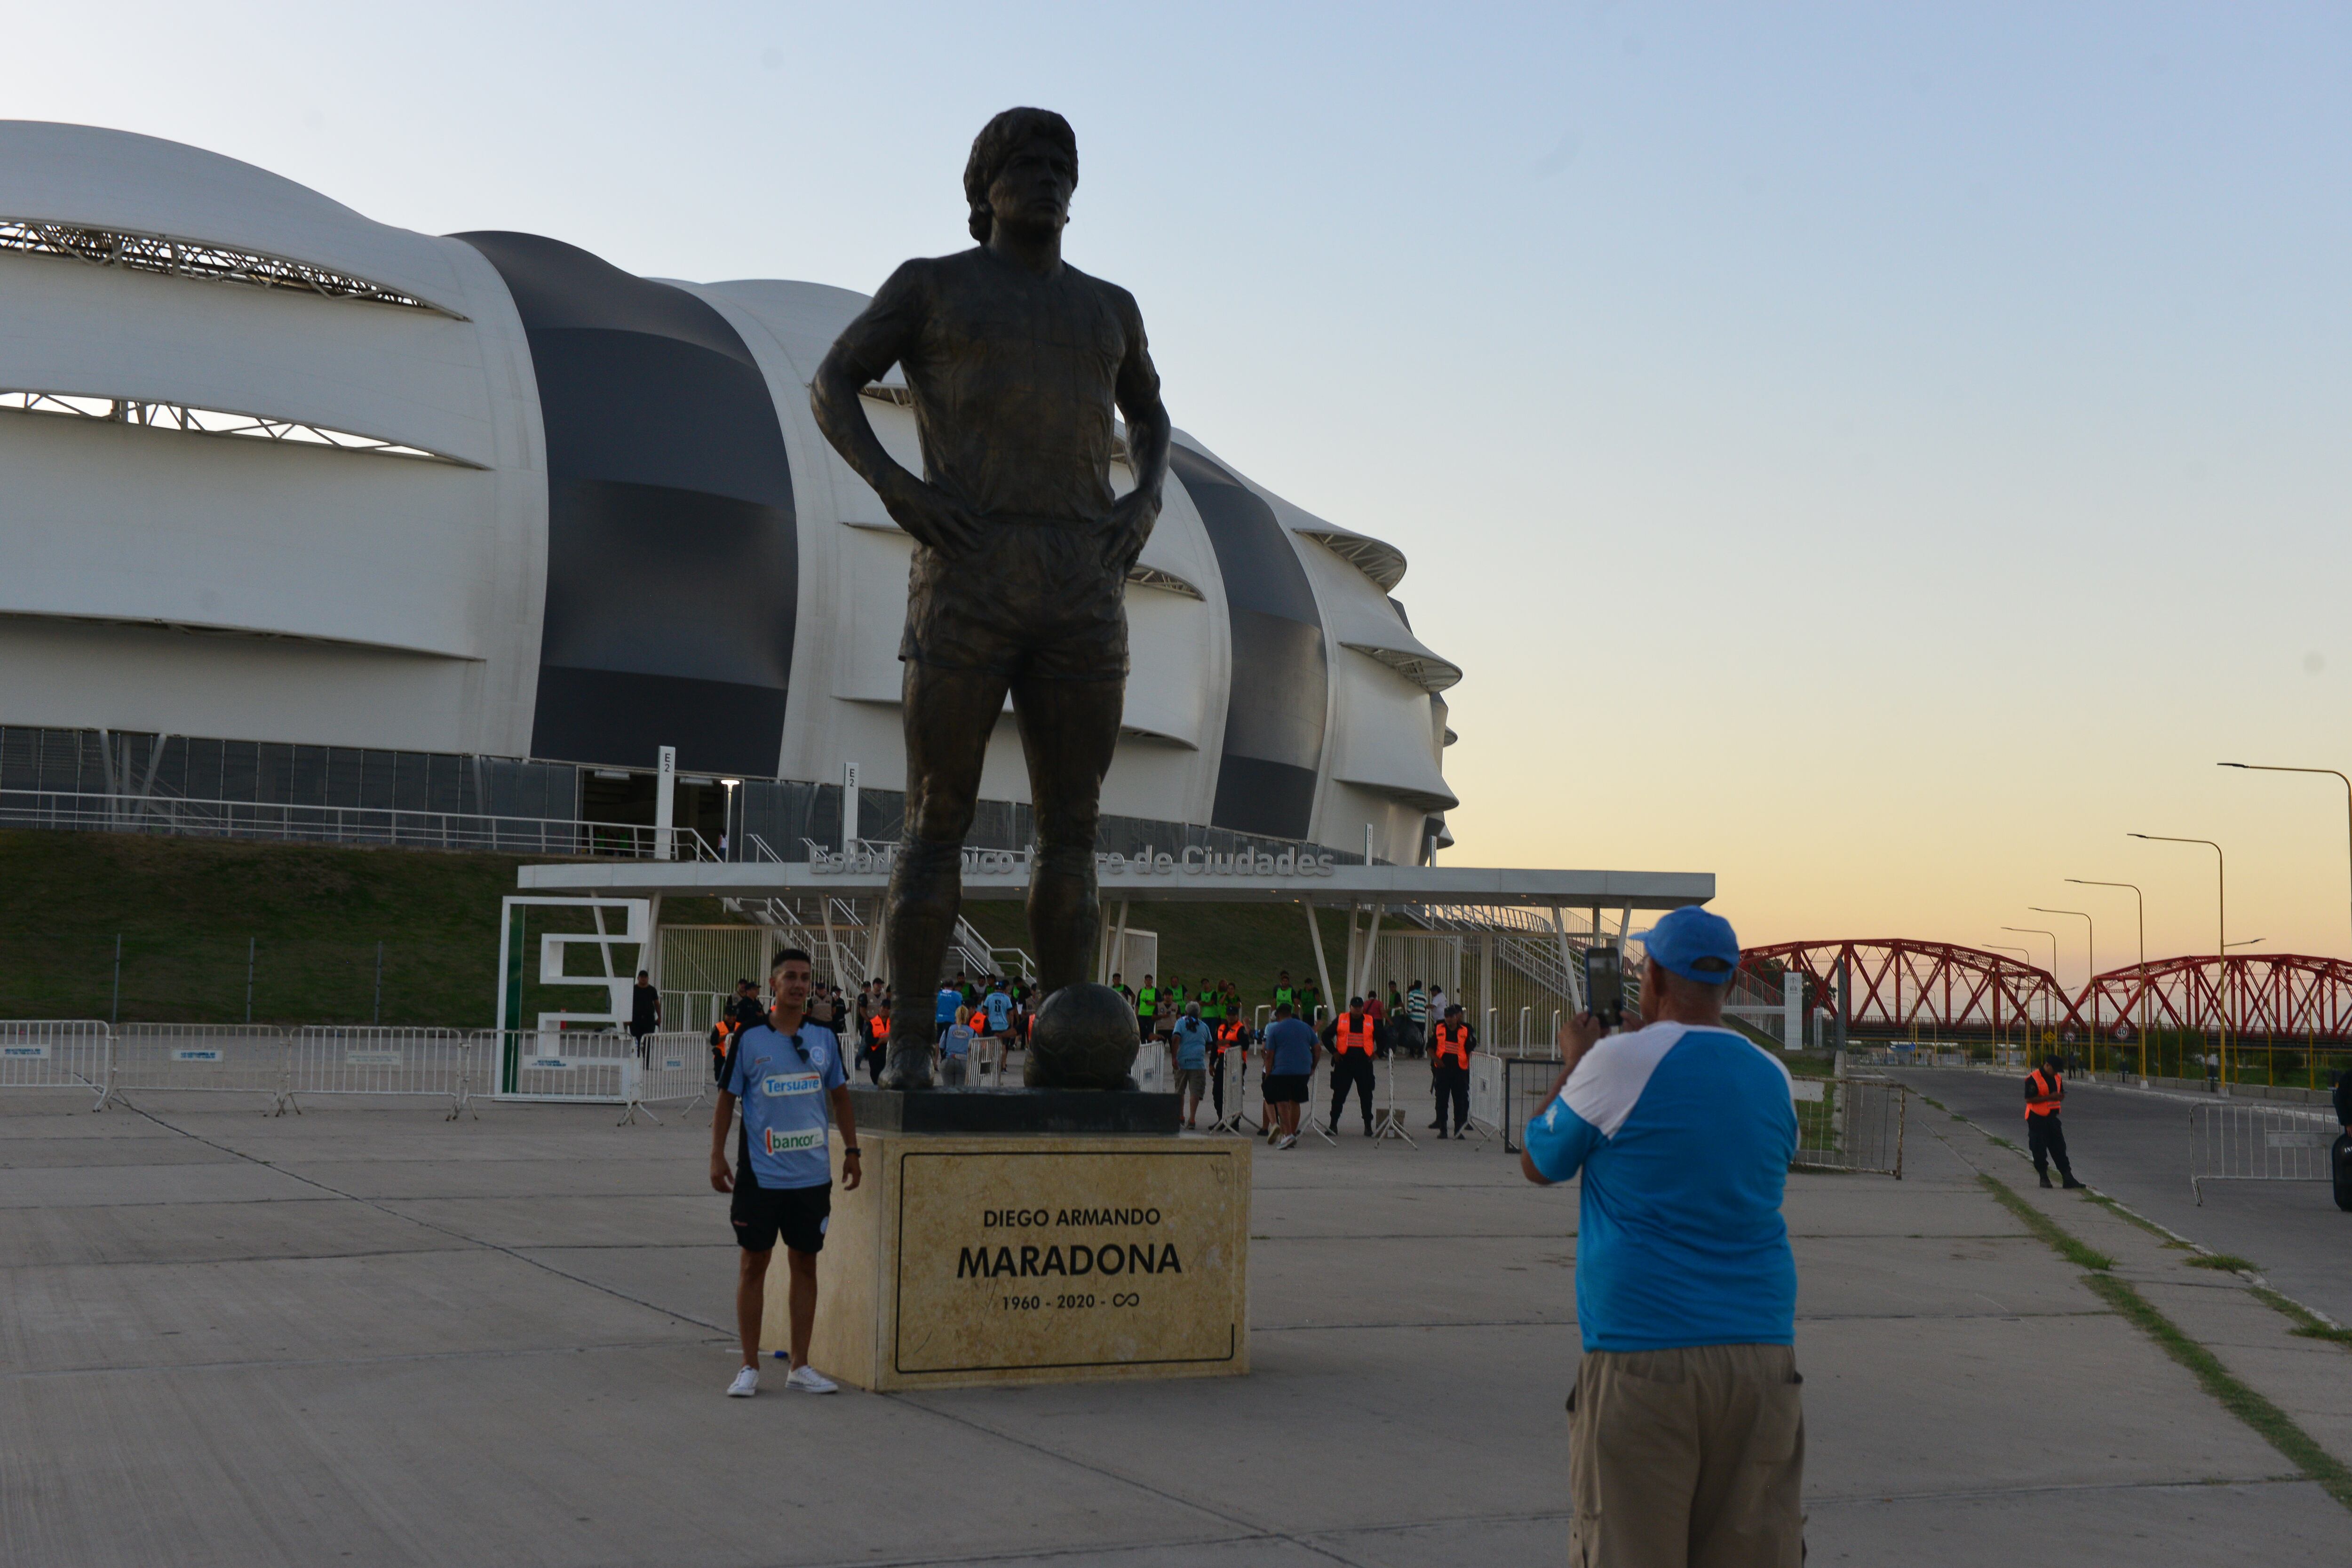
{"type": "Point", "coordinates": [1068, 729]}
{"type": "Point", "coordinates": [950, 714]}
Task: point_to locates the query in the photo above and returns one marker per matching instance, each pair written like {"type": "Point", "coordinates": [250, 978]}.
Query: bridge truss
{"type": "Point", "coordinates": [1899, 987]}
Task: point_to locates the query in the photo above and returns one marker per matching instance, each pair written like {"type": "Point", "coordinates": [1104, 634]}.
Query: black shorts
{"type": "Point", "coordinates": [761, 1214]}
{"type": "Point", "coordinates": [1286, 1088]}
{"type": "Point", "coordinates": [1035, 600]}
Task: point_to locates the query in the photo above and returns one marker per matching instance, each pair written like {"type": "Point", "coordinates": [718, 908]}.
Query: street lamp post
{"type": "Point", "coordinates": [2030, 930]}
{"type": "Point", "coordinates": [2270, 768]}
{"type": "Point", "coordinates": [2220, 924]}
{"type": "Point", "coordinates": [2091, 975]}
{"type": "Point", "coordinates": [2090, 882]}
{"type": "Point", "coordinates": [2021, 952]}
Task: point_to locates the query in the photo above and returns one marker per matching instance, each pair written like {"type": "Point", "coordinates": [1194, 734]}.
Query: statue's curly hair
{"type": "Point", "coordinates": [997, 141]}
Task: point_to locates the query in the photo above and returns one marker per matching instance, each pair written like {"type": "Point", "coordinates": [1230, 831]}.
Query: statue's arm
{"type": "Point", "coordinates": [867, 347]}
{"type": "Point", "coordinates": [1149, 434]}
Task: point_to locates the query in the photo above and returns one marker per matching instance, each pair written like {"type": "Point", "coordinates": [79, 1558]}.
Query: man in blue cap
{"type": "Point", "coordinates": [1687, 1430]}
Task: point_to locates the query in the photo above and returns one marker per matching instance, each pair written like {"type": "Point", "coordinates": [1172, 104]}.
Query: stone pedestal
{"type": "Point", "coordinates": [978, 1259]}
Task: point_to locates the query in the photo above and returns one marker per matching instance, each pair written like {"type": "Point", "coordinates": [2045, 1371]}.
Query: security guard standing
{"type": "Point", "coordinates": [2045, 1139]}
{"type": "Point", "coordinates": [1349, 1036]}
{"type": "Point", "coordinates": [1450, 1044]}
{"type": "Point", "coordinates": [1147, 1007]}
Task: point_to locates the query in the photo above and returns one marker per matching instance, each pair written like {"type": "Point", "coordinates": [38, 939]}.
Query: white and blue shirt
{"type": "Point", "coordinates": [1000, 1011]}
{"type": "Point", "coordinates": [787, 1122]}
{"type": "Point", "coordinates": [1683, 1136]}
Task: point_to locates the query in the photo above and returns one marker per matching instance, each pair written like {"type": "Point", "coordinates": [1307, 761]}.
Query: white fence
{"type": "Point", "coordinates": [189, 1058]}
{"type": "Point", "coordinates": [285, 1067]}
{"type": "Point", "coordinates": [57, 1053]}
{"type": "Point", "coordinates": [2230, 1142]}
{"type": "Point", "coordinates": [538, 836]}
{"type": "Point", "coordinates": [327, 1059]}
{"type": "Point", "coordinates": [673, 1069]}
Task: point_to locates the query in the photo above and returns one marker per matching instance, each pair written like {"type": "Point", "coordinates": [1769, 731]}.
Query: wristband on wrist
{"type": "Point", "coordinates": [848, 1149]}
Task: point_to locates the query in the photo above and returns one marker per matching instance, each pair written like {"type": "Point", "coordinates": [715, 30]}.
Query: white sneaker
{"type": "Point", "coordinates": [1289, 1142]}
{"type": "Point", "coordinates": [746, 1383]}
{"type": "Point", "coordinates": [808, 1380]}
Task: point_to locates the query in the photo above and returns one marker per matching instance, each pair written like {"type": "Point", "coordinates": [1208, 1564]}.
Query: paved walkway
{"type": "Point", "coordinates": [367, 1336]}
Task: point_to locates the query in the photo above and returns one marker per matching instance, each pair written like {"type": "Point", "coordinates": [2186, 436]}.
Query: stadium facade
{"type": "Point", "coordinates": [306, 508]}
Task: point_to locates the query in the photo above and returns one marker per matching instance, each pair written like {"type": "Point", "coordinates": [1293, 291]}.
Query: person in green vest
{"type": "Point", "coordinates": [1285, 994]}
{"type": "Point", "coordinates": [1147, 1007]}
{"type": "Point", "coordinates": [1212, 1004]}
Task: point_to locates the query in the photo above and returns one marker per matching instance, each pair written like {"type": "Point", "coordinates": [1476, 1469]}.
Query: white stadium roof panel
{"type": "Point", "coordinates": [634, 512]}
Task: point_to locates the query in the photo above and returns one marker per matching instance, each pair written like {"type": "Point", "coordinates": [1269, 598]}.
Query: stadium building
{"type": "Point", "coordinates": [308, 511]}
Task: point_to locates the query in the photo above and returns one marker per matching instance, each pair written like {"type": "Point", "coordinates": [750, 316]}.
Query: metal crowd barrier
{"type": "Point", "coordinates": [1228, 1088]}
{"type": "Point", "coordinates": [1152, 1073]}
{"type": "Point", "coordinates": [2238, 1142]}
{"type": "Point", "coordinates": [565, 1066]}
{"type": "Point", "coordinates": [331, 1059]}
{"type": "Point", "coordinates": [57, 1053]}
{"type": "Point", "coordinates": [1485, 1094]}
{"type": "Point", "coordinates": [191, 1059]}
{"type": "Point", "coordinates": [1850, 1124]}
{"type": "Point", "coordinates": [670, 1067]}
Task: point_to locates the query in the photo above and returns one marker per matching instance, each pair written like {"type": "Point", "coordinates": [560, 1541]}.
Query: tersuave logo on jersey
{"type": "Point", "coordinates": [792, 1083]}
{"type": "Point", "coordinates": [775, 1142]}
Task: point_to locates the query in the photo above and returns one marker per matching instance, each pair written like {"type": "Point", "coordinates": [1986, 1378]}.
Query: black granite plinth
{"type": "Point", "coordinates": [997, 1111]}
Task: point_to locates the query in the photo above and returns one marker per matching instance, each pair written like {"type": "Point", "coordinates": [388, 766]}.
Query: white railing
{"type": "Point", "coordinates": [57, 1053]}
{"type": "Point", "coordinates": [330, 1059]}
{"type": "Point", "coordinates": [286, 1066]}
{"type": "Point", "coordinates": [671, 1068]}
{"type": "Point", "coordinates": [188, 1058]}
{"type": "Point", "coordinates": [172, 815]}
{"type": "Point", "coordinates": [2237, 1142]}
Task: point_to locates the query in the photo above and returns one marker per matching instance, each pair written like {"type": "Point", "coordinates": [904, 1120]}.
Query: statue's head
{"type": "Point", "coordinates": [1023, 168]}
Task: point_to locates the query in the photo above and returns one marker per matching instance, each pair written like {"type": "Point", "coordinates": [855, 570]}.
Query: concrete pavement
{"type": "Point", "coordinates": [368, 1336]}
{"type": "Point", "coordinates": [2134, 1145]}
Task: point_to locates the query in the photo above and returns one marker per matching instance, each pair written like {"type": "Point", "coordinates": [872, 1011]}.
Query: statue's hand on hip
{"type": "Point", "coordinates": [933, 517]}
{"type": "Point", "coordinates": [1132, 519]}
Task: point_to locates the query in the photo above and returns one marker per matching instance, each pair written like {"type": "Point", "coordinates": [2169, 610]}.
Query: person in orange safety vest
{"type": "Point", "coordinates": [1450, 1044]}
{"type": "Point", "coordinates": [2045, 1138]}
{"type": "Point", "coordinates": [1352, 1038]}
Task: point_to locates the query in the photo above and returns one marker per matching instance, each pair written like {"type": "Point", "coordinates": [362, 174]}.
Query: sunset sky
{"type": "Point", "coordinates": [1881, 455]}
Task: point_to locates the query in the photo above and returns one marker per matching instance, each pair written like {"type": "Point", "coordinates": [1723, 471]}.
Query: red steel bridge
{"type": "Point", "coordinates": [1902, 986]}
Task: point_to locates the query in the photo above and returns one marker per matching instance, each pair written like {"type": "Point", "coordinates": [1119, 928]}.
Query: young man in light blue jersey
{"type": "Point", "coordinates": [1687, 1429]}
{"type": "Point", "coordinates": [998, 1008]}
{"type": "Point", "coordinates": [787, 1073]}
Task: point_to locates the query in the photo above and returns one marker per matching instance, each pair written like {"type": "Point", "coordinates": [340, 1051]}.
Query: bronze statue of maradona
{"type": "Point", "coordinates": [1016, 361]}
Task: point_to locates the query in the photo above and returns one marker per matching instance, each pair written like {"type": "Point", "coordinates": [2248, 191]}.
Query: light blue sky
{"type": "Point", "coordinates": [1878, 453]}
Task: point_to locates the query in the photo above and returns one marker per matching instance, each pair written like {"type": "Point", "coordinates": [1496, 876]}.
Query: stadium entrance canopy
{"type": "Point", "coordinates": [1502, 941]}
{"type": "Point", "coordinates": [1190, 874]}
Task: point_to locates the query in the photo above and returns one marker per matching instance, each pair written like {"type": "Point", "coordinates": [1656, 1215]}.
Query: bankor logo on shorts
{"type": "Point", "coordinates": [785, 1083]}
{"type": "Point", "coordinates": [777, 1143]}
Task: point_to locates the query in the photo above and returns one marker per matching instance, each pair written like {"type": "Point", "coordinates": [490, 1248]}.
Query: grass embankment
{"type": "Point", "coordinates": [186, 909]}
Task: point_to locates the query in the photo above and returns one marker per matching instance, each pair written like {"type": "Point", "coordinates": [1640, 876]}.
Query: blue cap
{"type": "Point", "coordinates": [1689, 936]}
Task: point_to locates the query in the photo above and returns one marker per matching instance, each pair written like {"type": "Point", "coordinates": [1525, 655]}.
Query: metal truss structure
{"type": "Point", "coordinates": [1425, 670]}
{"type": "Point", "coordinates": [1382, 563]}
{"type": "Point", "coordinates": [190, 421]}
{"type": "Point", "coordinates": [171, 256]}
{"type": "Point", "coordinates": [1899, 985]}
{"type": "Point", "coordinates": [2272, 996]}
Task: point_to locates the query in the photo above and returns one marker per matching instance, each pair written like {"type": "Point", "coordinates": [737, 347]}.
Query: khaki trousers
{"type": "Point", "coordinates": [1688, 1459]}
